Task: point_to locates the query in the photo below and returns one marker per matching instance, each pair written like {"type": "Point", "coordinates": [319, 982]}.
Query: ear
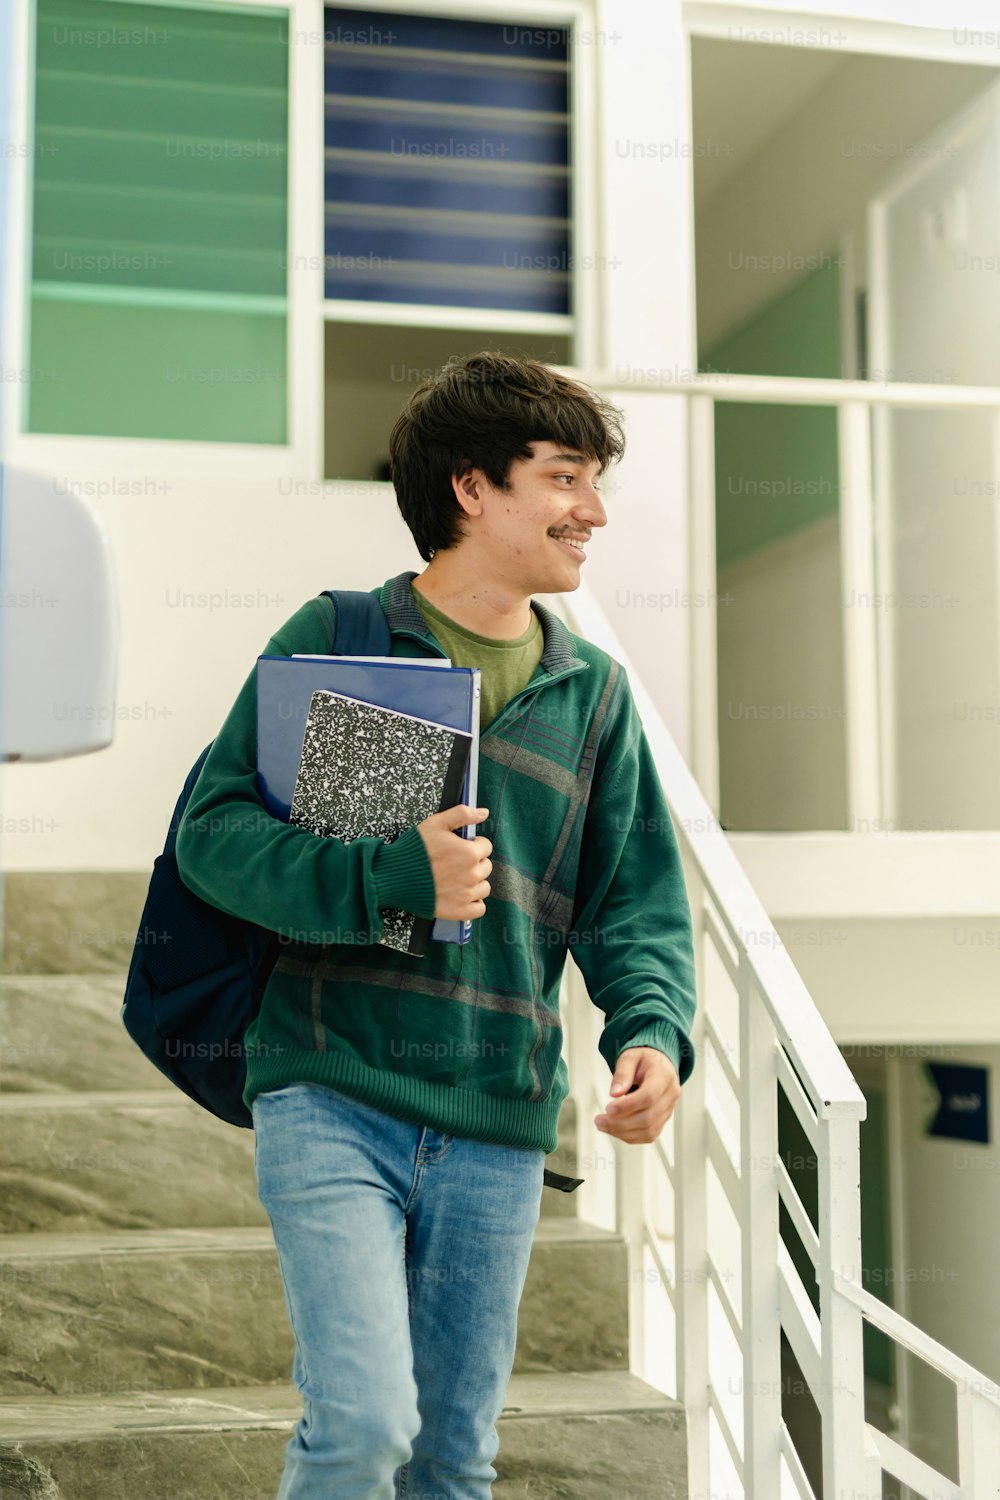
{"type": "Point", "coordinates": [467, 484]}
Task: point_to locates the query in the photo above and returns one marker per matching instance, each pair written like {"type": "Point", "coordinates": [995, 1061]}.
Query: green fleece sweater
{"type": "Point", "coordinates": [466, 1039]}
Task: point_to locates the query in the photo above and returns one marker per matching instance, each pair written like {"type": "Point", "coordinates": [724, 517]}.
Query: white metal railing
{"type": "Point", "coordinates": [757, 1028]}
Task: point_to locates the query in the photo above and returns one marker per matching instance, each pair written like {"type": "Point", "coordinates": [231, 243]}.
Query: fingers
{"type": "Point", "coordinates": [635, 1137]}
{"type": "Point", "coordinates": [637, 1102]}
{"type": "Point", "coordinates": [638, 1117]}
{"type": "Point", "coordinates": [635, 1133]}
{"type": "Point", "coordinates": [644, 1096]}
{"type": "Point", "coordinates": [461, 815]}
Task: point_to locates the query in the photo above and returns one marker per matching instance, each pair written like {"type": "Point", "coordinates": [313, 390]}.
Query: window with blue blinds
{"type": "Point", "coordinates": [447, 162]}
{"type": "Point", "coordinates": [159, 254]}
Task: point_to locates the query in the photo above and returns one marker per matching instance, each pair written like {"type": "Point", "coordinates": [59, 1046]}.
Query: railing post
{"type": "Point", "coordinates": [580, 1017]}
{"type": "Point", "coordinates": [759, 1247]}
{"type": "Point", "coordinates": [704, 695]}
{"type": "Point", "coordinates": [978, 1445]}
{"type": "Point", "coordinates": [691, 1218]}
{"type": "Point", "coordinates": [859, 619]}
{"type": "Point", "coordinates": [631, 1214]}
{"type": "Point", "coordinates": [850, 1470]}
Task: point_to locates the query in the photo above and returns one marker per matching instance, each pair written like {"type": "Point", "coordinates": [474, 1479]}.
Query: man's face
{"type": "Point", "coordinates": [521, 536]}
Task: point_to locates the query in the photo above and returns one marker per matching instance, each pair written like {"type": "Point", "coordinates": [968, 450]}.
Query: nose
{"type": "Point", "coordinates": [590, 507]}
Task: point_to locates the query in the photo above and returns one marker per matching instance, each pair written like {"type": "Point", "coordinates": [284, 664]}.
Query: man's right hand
{"type": "Point", "coordinates": [459, 865]}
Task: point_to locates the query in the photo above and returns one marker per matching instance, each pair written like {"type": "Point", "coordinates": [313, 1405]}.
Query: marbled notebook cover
{"type": "Point", "coordinates": [371, 772]}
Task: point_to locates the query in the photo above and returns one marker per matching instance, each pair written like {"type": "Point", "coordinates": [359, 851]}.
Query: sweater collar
{"type": "Point", "coordinates": [402, 613]}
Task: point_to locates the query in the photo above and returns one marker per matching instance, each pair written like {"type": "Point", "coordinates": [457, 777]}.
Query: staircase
{"type": "Point", "coordinates": [145, 1349]}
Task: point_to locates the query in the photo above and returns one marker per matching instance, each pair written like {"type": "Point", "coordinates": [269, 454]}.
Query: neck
{"type": "Point", "coordinates": [474, 599]}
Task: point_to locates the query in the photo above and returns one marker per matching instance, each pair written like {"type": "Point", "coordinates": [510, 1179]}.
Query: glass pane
{"type": "Point", "coordinates": [939, 617]}
{"type": "Point", "coordinates": [160, 222]}
{"type": "Point", "coordinates": [372, 370]}
{"type": "Point", "coordinates": [782, 745]}
{"type": "Point", "coordinates": [782, 760]}
{"type": "Point", "coordinates": [151, 372]}
{"type": "Point", "coordinates": [447, 162]}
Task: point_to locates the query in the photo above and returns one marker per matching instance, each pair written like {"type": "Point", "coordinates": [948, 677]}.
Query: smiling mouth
{"type": "Point", "coordinates": [574, 546]}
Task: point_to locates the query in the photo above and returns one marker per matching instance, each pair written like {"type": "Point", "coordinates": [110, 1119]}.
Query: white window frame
{"type": "Point", "coordinates": [949, 134]}
{"type": "Point", "coordinates": [868, 701]}
{"type": "Point", "coordinates": [802, 26]}
{"type": "Point", "coordinates": [76, 454]}
{"type": "Point", "coordinates": [302, 457]}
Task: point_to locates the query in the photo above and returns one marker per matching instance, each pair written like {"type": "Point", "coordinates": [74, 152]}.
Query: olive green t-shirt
{"type": "Point", "coordinates": [505, 666]}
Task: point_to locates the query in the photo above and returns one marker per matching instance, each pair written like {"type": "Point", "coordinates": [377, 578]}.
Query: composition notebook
{"type": "Point", "coordinates": [432, 693]}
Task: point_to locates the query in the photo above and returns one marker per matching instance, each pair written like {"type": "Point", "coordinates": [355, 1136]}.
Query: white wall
{"type": "Point", "coordinates": [900, 981]}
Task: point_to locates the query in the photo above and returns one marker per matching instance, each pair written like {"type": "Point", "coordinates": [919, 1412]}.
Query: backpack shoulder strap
{"type": "Point", "coordinates": [361, 626]}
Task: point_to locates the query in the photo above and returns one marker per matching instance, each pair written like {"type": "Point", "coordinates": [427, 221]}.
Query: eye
{"type": "Point", "coordinates": [573, 477]}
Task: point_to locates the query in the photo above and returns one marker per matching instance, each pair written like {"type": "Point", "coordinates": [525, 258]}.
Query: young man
{"type": "Point", "coordinates": [403, 1106]}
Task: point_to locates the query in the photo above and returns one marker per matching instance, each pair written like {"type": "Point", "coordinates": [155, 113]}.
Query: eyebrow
{"type": "Point", "coordinates": [568, 458]}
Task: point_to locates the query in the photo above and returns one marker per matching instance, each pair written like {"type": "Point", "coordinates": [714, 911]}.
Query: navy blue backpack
{"type": "Point", "coordinates": [198, 974]}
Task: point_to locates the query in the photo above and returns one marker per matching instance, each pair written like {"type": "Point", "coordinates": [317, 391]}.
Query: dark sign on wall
{"type": "Point", "coordinates": [963, 1109]}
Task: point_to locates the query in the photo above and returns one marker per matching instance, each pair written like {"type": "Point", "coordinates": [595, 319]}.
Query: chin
{"type": "Point", "coordinates": [565, 584]}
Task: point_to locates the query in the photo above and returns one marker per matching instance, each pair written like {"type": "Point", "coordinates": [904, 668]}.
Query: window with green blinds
{"type": "Point", "coordinates": [159, 251]}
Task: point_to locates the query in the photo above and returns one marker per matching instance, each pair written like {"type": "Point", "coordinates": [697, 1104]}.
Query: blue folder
{"type": "Point", "coordinates": [285, 684]}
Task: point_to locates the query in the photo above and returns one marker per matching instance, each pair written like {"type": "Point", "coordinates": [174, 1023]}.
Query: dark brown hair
{"type": "Point", "coordinates": [481, 411]}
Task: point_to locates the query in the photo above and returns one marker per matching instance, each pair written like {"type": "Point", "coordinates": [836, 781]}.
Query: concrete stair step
{"type": "Point", "coordinates": [147, 1159]}
{"type": "Point", "coordinates": [122, 1160]}
{"type": "Point", "coordinates": [62, 1034]}
{"type": "Point", "coordinates": [64, 1031]}
{"type": "Point", "coordinates": [572, 1436]}
{"type": "Point", "coordinates": [165, 1308]}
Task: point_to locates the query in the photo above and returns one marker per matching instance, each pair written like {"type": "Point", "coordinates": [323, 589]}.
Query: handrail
{"type": "Point", "coordinates": [783, 1043]}
{"type": "Point", "coordinates": [801, 1028]}
{"type": "Point", "coordinates": [930, 1350]}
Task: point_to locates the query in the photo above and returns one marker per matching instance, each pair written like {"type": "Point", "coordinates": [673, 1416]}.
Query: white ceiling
{"type": "Point", "coordinates": [771, 173]}
{"type": "Point", "coordinates": [741, 94]}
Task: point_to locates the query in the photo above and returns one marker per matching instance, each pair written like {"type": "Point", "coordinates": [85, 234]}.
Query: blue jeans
{"type": "Point", "coordinates": [403, 1253]}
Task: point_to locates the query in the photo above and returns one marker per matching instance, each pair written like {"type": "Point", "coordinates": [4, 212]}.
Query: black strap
{"type": "Point", "coordinates": [564, 1184]}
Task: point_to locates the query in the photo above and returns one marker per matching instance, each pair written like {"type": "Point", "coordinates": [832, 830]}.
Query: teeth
{"type": "Point", "coordinates": [571, 540]}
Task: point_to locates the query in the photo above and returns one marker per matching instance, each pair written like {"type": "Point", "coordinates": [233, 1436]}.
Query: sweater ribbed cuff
{"type": "Point", "coordinates": [403, 874]}
{"type": "Point", "coordinates": [664, 1036]}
